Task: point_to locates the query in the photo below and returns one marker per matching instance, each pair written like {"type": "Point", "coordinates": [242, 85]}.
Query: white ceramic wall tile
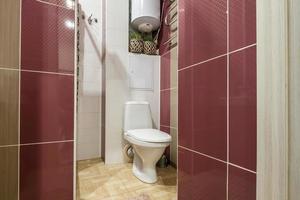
{"type": "Point", "coordinates": [88, 135]}
{"type": "Point", "coordinates": [90, 82]}
{"type": "Point", "coordinates": [141, 71]}
{"type": "Point", "coordinates": [88, 120]}
{"type": "Point", "coordinates": [92, 74]}
{"type": "Point", "coordinates": [89, 104]}
{"type": "Point", "coordinates": [117, 14]}
{"type": "Point", "coordinates": [87, 150]}
{"type": "Point", "coordinates": [113, 38]}
{"type": "Point", "coordinates": [90, 59]}
{"type": "Point", "coordinates": [90, 38]}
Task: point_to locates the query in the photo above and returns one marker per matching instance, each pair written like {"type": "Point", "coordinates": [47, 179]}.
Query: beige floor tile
{"type": "Point", "coordinates": [97, 181]}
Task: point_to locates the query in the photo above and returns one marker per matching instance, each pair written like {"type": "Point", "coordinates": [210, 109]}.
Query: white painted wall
{"type": "Point", "coordinates": [90, 82]}
{"type": "Point", "coordinates": [118, 89]}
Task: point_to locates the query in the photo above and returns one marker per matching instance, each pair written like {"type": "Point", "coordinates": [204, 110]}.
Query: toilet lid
{"type": "Point", "coordinates": [149, 135]}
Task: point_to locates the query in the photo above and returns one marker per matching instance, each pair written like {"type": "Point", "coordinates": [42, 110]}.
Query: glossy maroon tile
{"type": "Point", "coordinates": [46, 171]}
{"type": "Point", "coordinates": [203, 30]}
{"type": "Point", "coordinates": [69, 4]}
{"type": "Point", "coordinates": [200, 177]}
{"type": "Point", "coordinates": [165, 108]}
{"type": "Point", "coordinates": [165, 129]}
{"type": "Point", "coordinates": [47, 37]}
{"type": "Point", "coordinates": [47, 107]}
{"type": "Point", "coordinates": [165, 71]}
{"type": "Point", "coordinates": [202, 108]}
{"type": "Point", "coordinates": [242, 112]}
{"type": "Point", "coordinates": [241, 184]}
{"type": "Point", "coordinates": [242, 23]}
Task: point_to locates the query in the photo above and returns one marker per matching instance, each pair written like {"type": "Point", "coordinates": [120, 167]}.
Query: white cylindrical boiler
{"type": "Point", "coordinates": [145, 15]}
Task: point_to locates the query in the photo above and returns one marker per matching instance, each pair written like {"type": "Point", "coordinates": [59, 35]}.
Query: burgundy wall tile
{"type": "Point", "coordinates": [65, 3]}
{"type": "Point", "coordinates": [165, 129]}
{"type": "Point", "coordinates": [241, 184]}
{"type": "Point", "coordinates": [165, 75]}
{"type": "Point", "coordinates": [47, 37]}
{"type": "Point", "coordinates": [242, 23]}
{"type": "Point", "coordinates": [47, 107]}
{"type": "Point", "coordinates": [164, 48]}
{"type": "Point", "coordinates": [203, 30]}
{"type": "Point", "coordinates": [200, 177]}
{"type": "Point", "coordinates": [46, 171]}
{"type": "Point", "coordinates": [243, 108]}
{"type": "Point", "coordinates": [165, 108]}
{"type": "Point", "coordinates": [202, 108]}
{"type": "Point", "coordinates": [202, 117]}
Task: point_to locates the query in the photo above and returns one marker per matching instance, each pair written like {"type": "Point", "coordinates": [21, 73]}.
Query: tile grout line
{"type": "Point", "coordinates": [37, 143]}
{"type": "Point", "coordinates": [202, 62]}
{"type": "Point", "coordinates": [217, 159]}
{"type": "Point", "coordinates": [171, 127]}
{"type": "Point", "coordinates": [46, 72]}
{"type": "Point", "coordinates": [35, 71]}
{"type": "Point", "coordinates": [8, 69]}
{"type": "Point", "coordinates": [165, 53]}
{"type": "Point", "coordinates": [214, 58]}
{"type": "Point", "coordinates": [170, 50]}
{"type": "Point", "coordinates": [205, 155]}
{"type": "Point", "coordinates": [168, 89]}
{"type": "Point", "coordinates": [241, 49]}
{"type": "Point", "coordinates": [243, 168]}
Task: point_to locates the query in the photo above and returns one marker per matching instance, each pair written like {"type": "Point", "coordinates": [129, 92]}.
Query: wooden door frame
{"type": "Point", "coordinates": [278, 97]}
{"type": "Point", "coordinates": [272, 99]}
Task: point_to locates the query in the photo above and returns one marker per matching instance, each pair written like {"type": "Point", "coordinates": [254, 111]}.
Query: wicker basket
{"type": "Point", "coordinates": [136, 46]}
{"type": "Point", "coordinates": [149, 48]}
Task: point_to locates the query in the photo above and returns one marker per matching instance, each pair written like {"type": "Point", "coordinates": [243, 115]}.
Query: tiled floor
{"type": "Point", "coordinates": [97, 181]}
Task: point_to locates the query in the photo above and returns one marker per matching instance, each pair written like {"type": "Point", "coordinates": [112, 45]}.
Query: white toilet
{"type": "Point", "coordinates": [149, 144]}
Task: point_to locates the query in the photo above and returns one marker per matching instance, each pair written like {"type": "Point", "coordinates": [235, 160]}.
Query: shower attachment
{"type": "Point", "coordinates": [90, 19]}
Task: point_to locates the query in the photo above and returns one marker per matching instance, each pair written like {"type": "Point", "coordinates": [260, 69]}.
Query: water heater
{"type": "Point", "coordinates": [145, 15]}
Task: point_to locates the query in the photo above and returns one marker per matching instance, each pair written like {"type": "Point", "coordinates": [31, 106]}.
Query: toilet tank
{"type": "Point", "coordinates": [137, 115]}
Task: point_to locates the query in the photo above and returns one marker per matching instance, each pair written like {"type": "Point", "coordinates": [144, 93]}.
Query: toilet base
{"type": "Point", "coordinates": [144, 163]}
{"type": "Point", "coordinates": [146, 175]}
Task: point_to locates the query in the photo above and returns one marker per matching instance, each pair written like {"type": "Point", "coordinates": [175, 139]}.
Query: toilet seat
{"type": "Point", "coordinates": [149, 135]}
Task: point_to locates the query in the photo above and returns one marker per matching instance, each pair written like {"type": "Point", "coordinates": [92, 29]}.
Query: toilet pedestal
{"type": "Point", "coordinates": [144, 163]}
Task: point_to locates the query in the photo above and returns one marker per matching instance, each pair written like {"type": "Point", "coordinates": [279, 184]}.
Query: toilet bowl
{"type": "Point", "coordinates": [149, 144]}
